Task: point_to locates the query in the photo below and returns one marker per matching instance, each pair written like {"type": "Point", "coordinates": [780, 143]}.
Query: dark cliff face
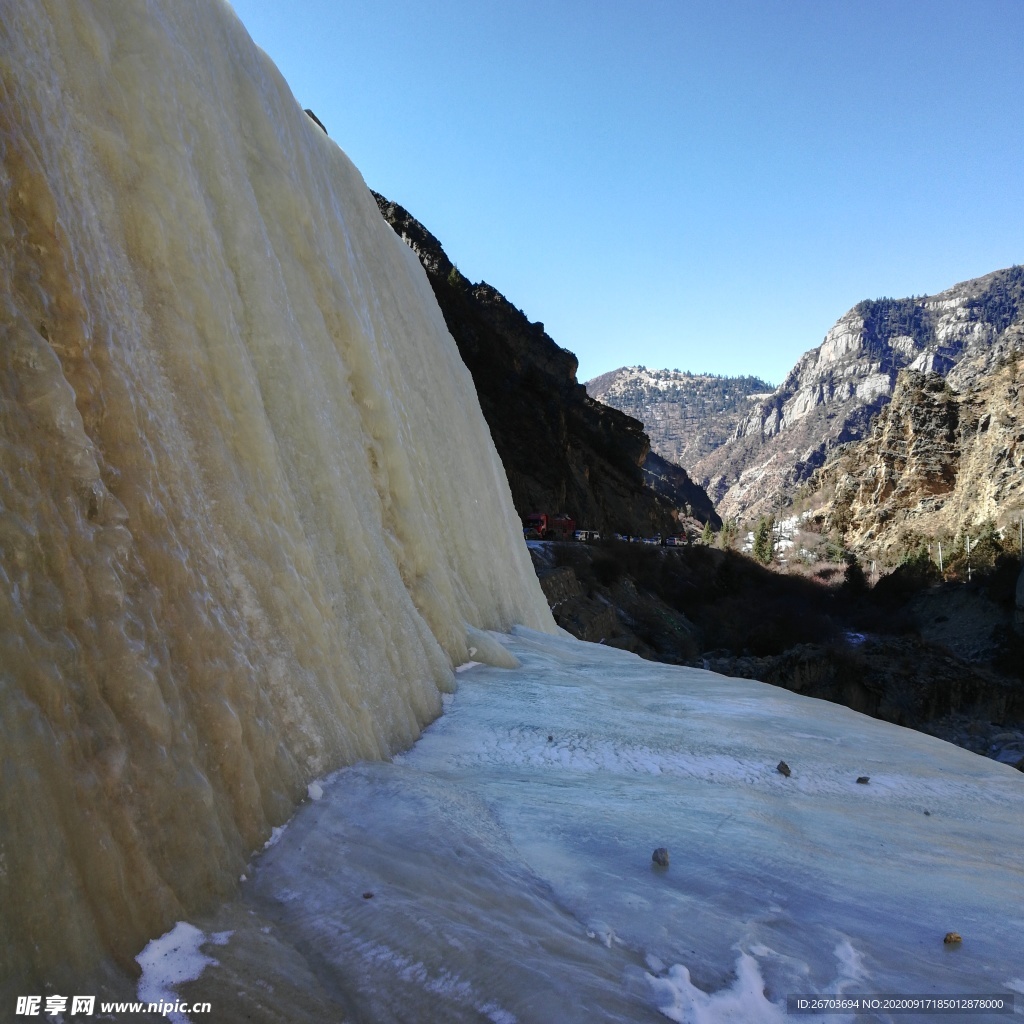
{"type": "Point", "coordinates": [562, 451]}
{"type": "Point", "coordinates": [673, 482]}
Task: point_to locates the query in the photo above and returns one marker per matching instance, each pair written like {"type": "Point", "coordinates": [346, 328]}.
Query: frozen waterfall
{"type": "Point", "coordinates": [249, 502]}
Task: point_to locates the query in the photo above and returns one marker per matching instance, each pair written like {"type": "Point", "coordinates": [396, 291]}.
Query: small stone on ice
{"type": "Point", "coordinates": [864, 780]}
{"type": "Point", "coordinates": [952, 938]}
{"type": "Point", "coordinates": [660, 857]}
{"type": "Point", "coordinates": [783, 769]}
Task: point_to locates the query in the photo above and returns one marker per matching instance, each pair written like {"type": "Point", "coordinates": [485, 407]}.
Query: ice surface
{"type": "Point", "coordinates": [248, 502]}
{"type": "Point", "coordinates": [508, 854]}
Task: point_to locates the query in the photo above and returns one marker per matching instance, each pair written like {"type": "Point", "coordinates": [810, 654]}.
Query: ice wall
{"type": "Point", "coordinates": [249, 502]}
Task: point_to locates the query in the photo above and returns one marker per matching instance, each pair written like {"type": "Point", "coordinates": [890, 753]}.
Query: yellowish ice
{"type": "Point", "coordinates": [248, 503]}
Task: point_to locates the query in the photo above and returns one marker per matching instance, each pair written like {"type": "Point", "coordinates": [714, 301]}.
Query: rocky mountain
{"type": "Point", "coordinates": [833, 392]}
{"type": "Point", "coordinates": [752, 448]}
{"type": "Point", "coordinates": [938, 461]}
{"type": "Point", "coordinates": [673, 483]}
{"type": "Point", "coordinates": [562, 450]}
{"type": "Point", "coordinates": [687, 415]}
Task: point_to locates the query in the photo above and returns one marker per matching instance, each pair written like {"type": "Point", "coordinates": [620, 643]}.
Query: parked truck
{"type": "Point", "coordinates": [549, 527]}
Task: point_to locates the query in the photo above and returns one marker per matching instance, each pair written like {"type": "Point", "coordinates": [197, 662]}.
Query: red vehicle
{"type": "Point", "coordinates": [560, 527]}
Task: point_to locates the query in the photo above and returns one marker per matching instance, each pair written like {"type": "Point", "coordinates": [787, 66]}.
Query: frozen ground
{"type": "Point", "coordinates": [501, 869]}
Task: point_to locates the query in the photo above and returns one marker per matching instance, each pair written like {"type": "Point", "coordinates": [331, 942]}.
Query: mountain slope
{"type": "Point", "coordinates": [687, 415]}
{"type": "Point", "coordinates": [937, 461]}
{"type": "Point", "coordinates": [834, 390]}
{"type": "Point", "coordinates": [562, 450]}
{"type": "Point", "coordinates": [673, 483]}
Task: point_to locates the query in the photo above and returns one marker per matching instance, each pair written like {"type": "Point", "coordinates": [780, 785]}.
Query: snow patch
{"type": "Point", "coordinates": [680, 1000]}
{"type": "Point", "coordinates": [174, 958]}
{"type": "Point", "coordinates": [276, 833]}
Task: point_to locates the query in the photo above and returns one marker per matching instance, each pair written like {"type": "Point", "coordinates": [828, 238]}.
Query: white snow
{"type": "Point", "coordinates": [682, 1001]}
{"type": "Point", "coordinates": [172, 959]}
{"type": "Point", "coordinates": [275, 836]}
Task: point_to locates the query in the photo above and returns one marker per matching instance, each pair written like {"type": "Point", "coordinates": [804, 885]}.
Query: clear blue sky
{"type": "Point", "coordinates": [701, 184]}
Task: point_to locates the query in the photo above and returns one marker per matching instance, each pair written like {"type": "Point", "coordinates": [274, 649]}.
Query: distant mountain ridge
{"type": "Point", "coordinates": [687, 415]}
{"type": "Point", "coordinates": [834, 390]}
{"type": "Point", "coordinates": [778, 440]}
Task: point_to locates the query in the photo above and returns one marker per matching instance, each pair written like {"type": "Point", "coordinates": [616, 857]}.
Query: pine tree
{"type": "Point", "coordinates": [763, 547]}
{"type": "Point", "coordinates": [727, 535]}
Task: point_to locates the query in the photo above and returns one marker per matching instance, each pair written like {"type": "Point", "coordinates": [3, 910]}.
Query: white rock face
{"type": "Point", "coordinates": [842, 341]}
{"type": "Point", "coordinates": [873, 386]}
{"type": "Point", "coordinates": [832, 392]}
{"type": "Point", "coordinates": [904, 344]}
{"type": "Point", "coordinates": [250, 504]}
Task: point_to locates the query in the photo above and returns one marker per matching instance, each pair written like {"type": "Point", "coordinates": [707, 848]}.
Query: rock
{"type": "Point", "coordinates": [863, 780]}
{"type": "Point", "coordinates": [561, 450]}
{"type": "Point", "coordinates": [952, 938]}
{"type": "Point", "coordinates": [316, 119]}
{"type": "Point", "coordinates": [937, 461]}
{"type": "Point", "coordinates": [609, 608]}
{"type": "Point", "coordinates": [560, 584]}
{"type": "Point", "coordinates": [660, 857]}
{"type": "Point", "coordinates": [1007, 755]}
{"type": "Point", "coordinates": [783, 769]}
{"type": "Point", "coordinates": [900, 679]}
